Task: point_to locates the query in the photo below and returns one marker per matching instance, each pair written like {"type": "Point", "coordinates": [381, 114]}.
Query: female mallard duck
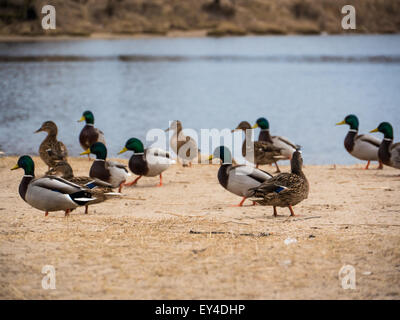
{"type": "Point", "coordinates": [111, 172]}
{"type": "Point", "coordinates": [50, 193]}
{"type": "Point", "coordinates": [287, 147]}
{"type": "Point", "coordinates": [51, 150]}
{"type": "Point", "coordinates": [361, 146]}
{"type": "Point", "coordinates": [149, 162]}
{"type": "Point", "coordinates": [89, 134]}
{"type": "Point", "coordinates": [388, 153]}
{"type": "Point", "coordinates": [238, 179]}
{"type": "Point", "coordinates": [285, 189]}
{"type": "Point", "coordinates": [258, 152]}
{"type": "Point", "coordinates": [184, 146]}
{"type": "Point", "coordinates": [99, 189]}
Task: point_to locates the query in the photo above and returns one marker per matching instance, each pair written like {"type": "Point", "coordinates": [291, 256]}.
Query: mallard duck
{"type": "Point", "coordinates": [148, 162]}
{"type": "Point", "coordinates": [388, 153]}
{"type": "Point", "coordinates": [184, 146]}
{"type": "Point", "coordinates": [361, 146]}
{"type": "Point", "coordinates": [111, 172]}
{"type": "Point", "coordinates": [258, 152]}
{"type": "Point", "coordinates": [99, 189]}
{"type": "Point", "coordinates": [240, 178]}
{"type": "Point", "coordinates": [287, 147]}
{"type": "Point", "coordinates": [89, 134]}
{"type": "Point", "coordinates": [285, 189]}
{"type": "Point", "coordinates": [51, 150]}
{"type": "Point", "coordinates": [50, 193]}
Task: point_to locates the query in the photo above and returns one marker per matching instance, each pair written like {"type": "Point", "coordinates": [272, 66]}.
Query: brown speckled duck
{"type": "Point", "coordinates": [51, 150]}
{"type": "Point", "coordinates": [285, 189]}
{"type": "Point", "coordinates": [89, 134]}
{"type": "Point", "coordinates": [264, 152]}
{"type": "Point", "coordinates": [99, 190]}
{"type": "Point", "coordinates": [184, 146]}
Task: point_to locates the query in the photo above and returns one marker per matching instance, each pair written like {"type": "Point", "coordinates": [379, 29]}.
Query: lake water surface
{"type": "Point", "coordinates": [302, 84]}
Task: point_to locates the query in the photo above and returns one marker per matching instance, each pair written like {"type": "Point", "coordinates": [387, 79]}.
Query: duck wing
{"type": "Point", "coordinates": [369, 139]}
{"type": "Point", "coordinates": [58, 184]}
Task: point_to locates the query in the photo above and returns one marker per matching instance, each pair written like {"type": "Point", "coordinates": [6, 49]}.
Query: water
{"type": "Point", "coordinates": [302, 84]}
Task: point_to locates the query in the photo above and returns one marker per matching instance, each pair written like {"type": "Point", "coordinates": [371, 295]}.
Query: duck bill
{"type": "Point", "coordinates": [123, 150]}
{"type": "Point", "coordinates": [85, 152]}
{"type": "Point", "coordinates": [15, 167]}
{"type": "Point", "coordinates": [81, 119]}
{"type": "Point", "coordinates": [210, 158]}
{"type": "Point", "coordinates": [255, 126]}
{"type": "Point", "coordinates": [38, 130]}
{"type": "Point", "coordinates": [340, 123]}
{"type": "Point", "coordinates": [375, 130]}
{"type": "Point", "coordinates": [166, 130]}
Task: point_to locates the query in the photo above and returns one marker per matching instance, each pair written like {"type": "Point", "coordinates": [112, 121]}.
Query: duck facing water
{"type": "Point", "coordinates": [89, 134]}
{"type": "Point", "coordinates": [388, 152]}
{"type": "Point", "coordinates": [148, 162]}
{"type": "Point", "coordinates": [361, 146]}
{"type": "Point", "coordinates": [285, 189]}
{"type": "Point", "coordinates": [50, 193]}
{"type": "Point", "coordinates": [240, 178]}
{"type": "Point", "coordinates": [51, 150]}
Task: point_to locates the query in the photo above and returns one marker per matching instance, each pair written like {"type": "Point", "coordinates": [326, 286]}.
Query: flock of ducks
{"type": "Point", "coordinates": [59, 189]}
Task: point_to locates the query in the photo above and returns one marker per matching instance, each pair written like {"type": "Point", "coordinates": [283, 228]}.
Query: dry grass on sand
{"type": "Point", "coordinates": [184, 241]}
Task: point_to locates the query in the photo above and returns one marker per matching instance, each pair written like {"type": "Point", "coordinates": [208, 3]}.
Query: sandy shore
{"type": "Point", "coordinates": [184, 241]}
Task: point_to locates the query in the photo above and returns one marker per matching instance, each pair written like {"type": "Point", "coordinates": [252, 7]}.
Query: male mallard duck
{"type": "Point", "coordinates": [388, 153]}
{"type": "Point", "coordinates": [50, 193]}
{"type": "Point", "coordinates": [51, 150]}
{"type": "Point", "coordinates": [360, 146]}
{"type": "Point", "coordinates": [285, 189]}
{"type": "Point", "coordinates": [238, 179]}
{"type": "Point", "coordinates": [111, 172]}
{"type": "Point", "coordinates": [287, 147]}
{"type": "Point", "coordinates": [184, 146]}
{"type": "Point", "coordinates": [148, 162]}
{"type": "Point", "coordinates": [89, 134]}
{"type": "Point", "coordinates": [258, 152]}
{"type": "Point", "coordinates": [99, 189]}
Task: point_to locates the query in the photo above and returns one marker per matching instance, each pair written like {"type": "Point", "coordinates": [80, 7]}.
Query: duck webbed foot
{"type": "Point", "coordinates": [160, 184]}
{"type": "Point", "coordinates": [367, 166]}
{"type": "Point", "coordinates": [277, 168]}
{"type": "Point", "coordinates": [380, 165]}
{"type": "Point", "coordinates": [291, 211]}
{"type": "Point", "coordinates": [132, 183]}
{"type": "Point", "coordinates": [241, 203]}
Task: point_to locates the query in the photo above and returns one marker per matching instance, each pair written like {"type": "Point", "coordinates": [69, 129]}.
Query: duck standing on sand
{"type": "Point", "coordinates": [102, 191]}
{"type": "Point", "coordinates": [259, 152]}
{"type": "Point", "coordinates": [388, 153]}
{"type": "Point", "coordinates": [240, 178]}
{"type": "Point", "coordinates": [113, 173]}
{"type": "Point", "coordinates": [285, 189]}
{"type": "Point", "coordinates": [361, 146]}
{"type": "Point", "coordinates": [184, 146]}
{"type": "Point", "coordinates": [89, 134]}
{"type": "Point", "coordinates": [51, 150]}
{"type": "Point", "coordinates": [50, 193]}
{"type": "Point", "coordinates": [287, 147]}
{"type": "Point", "coordinates": [148, 162]}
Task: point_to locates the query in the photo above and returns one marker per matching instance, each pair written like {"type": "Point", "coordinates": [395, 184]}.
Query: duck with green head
{"type": "Point", "coordinates": [148, 162]}
{"type": "Point", "coordinates": [240, 178]}
{"type": "Point", "coordinates": [51, 150]}
{"type": "Point", "coordinates": [361, 146]}
{"type": "Point", "coordinates": [388, 153]}
{"type": "Point", "coordinates": [285, 189]}
{"type": "Point", "coordinates": [284, 144]}
{"type": "Point", "coordinates": [111, 172]}
{"type": "Point", "coordinates": [50, 193]}
{"type": "Point", "coordinates": [89, 134]}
